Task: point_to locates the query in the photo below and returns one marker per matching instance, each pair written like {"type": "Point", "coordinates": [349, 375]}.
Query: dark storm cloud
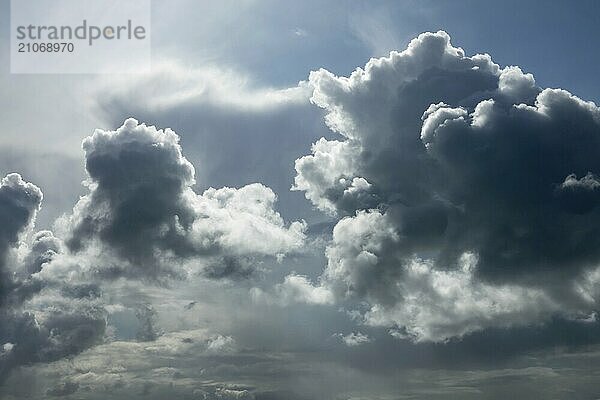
{"type": "Point", "coordinates": [469, 193]}
{"type": "Point", "coordinates": [60, 330]}
{"type": "Point", "coordinates": [19, 202]}
{"type": "Point", "coordinates": [27, 336]}
{"type": "Point", "coordinates": [139, 178]}
{"type": "Point", "coordinates": [62, 333]}
{"type": "Point", "coordinates": [513, 170]}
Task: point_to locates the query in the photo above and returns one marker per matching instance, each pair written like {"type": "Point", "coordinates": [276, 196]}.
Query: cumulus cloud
{"type": "Point", "coordinates": [19, 203]}
{"type": "Point", "coordinates": [445, 161]}
{"type": "Point", "coordinates": [48, 327]}
{"type": "Point", "coordinates": [142, 207]}
{"type": "Point", "coordinates": [43, 249]}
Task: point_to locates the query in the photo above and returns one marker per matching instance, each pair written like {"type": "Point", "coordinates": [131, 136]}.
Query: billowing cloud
{"type": "Point", "coordinates": [467, 194]}
{"type": "Point", "coordinates": [19, 203]}
{"type": "Point", "coordinates": [54, 327]}
{"type": "Point", "coordinates": [142, 207]}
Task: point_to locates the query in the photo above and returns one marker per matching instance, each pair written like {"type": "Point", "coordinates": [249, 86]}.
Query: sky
{"type": "Point", "coordinates": [309, 200]}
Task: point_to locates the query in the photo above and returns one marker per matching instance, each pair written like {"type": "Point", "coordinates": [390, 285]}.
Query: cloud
{"type": "Point", "coordinates": [142, 207]}
{"type": "Point", "coordinates": [19, 203]}
{"type": "Point", "coordinates": [467, 194]}
{"type": "Point", "coordinates": [58, 327]}
{"type": "Point", "coordinates": [297, 288]}
{"type": "Point", "coordinates": [220, 344]}
{"type": "Point", "coordinates": [43, 249]}
{"type": "Point", "coordinates": [24, 337]}
{"type": "Point", "coordinates": [139, 178]}
{"type": "Point", "coordinates": [353, 339]}
{"type": "Point", "coordinates": [170, 84]}
{"type": "Point", "coordinates": [45, 336]}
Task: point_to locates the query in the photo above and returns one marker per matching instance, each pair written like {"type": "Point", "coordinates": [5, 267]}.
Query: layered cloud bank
{"type": "Point", "coordinates": [141, 220]}
{"type": "Point", "coordinates": [467, 195]}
